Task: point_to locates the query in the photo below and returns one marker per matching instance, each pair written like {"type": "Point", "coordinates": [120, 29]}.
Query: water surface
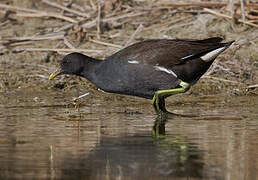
{"type": "Point", "coordinates": [42, 136]}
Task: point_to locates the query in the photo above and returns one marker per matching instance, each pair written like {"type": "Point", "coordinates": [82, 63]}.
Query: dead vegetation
{"type": "Point", "coordinates": [33, 34]}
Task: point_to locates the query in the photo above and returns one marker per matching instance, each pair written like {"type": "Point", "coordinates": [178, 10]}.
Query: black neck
{"type": "Point", "coordinates": [89, 68]}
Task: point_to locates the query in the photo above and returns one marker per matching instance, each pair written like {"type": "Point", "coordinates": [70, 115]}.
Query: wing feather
{"type": "Point", "coordinates": [167, 53]}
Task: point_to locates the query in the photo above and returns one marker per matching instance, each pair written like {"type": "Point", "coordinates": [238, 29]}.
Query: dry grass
{"type": "Point", "coordinates": [38, 31]}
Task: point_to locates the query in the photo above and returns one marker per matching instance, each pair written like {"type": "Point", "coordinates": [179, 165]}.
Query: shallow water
{"type": "Point", "coordinates": [42, 136]}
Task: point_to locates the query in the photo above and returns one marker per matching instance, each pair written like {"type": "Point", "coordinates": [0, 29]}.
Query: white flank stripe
{"type": "Point", "coordinates": [133, 62]}
{"type": "Point", "coordinates": [186, 57]}
{"type": "Point", "coordinates": [211, 55]}
{"type": "Point", "coordinates": [160, 68]}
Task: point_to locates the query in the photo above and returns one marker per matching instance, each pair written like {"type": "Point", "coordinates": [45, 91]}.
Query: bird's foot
{"type": "Point", "coordinates": [158, 100]}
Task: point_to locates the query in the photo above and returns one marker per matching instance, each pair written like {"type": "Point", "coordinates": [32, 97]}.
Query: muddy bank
{"type": "Point", "coordinates": [26, 62]}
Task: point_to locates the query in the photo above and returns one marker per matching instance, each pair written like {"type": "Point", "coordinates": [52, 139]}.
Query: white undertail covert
{"type": "Point", "coordinates": [213, 54]}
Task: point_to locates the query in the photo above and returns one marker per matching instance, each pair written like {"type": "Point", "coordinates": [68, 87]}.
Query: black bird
{"type": "Point", "coordinates": [152, 69]}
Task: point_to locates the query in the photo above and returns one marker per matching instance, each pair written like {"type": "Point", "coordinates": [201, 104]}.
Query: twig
{"type": "Point", "coordinates": [226, 16]}
{"type": "Point", "coordinates": [231, 6]}
{"type": "Point", "coordinates": [242, 10]}
{"type": "Point", "coordinates": [81, 96]}
{"type": "Point", "coordinates": [201, 4]}
{"type": "Point", "coordinates": [139, 29]}
{"type": "Point", "coordinates": [66, 9]}
{"type": "Point", "coordinates": [4, 23]}
{"type": "Point", "coordinates": [68, 44]}
{"type": "Point", "coordinates": [252, 86]}
{"type": "Point", "coordinates": [98, 19]}
{"type": "Point", "coordinates": [220, 79]}
{"type": "Point", "coordinates": [197, 4]}
{"type": "Point", "coordinates": [63, 28]}
{"type": "Point", "coordinates": [17, 43]}
{"type": "Point", "coordinates": [18, 8]}
{"type": "Point", "coordinates": [127, 15]}
{"type": "Point", "coordinates": [38, 75]}
{"type": "Point", "coordinates": [93, 5]}
{"type": "Point", "coordinates": [36, 13]}
{"type": "Point", "coordinates": [53, 36]}
{"type": "Point", "coordinates": [57, 50]}
{"type": "Point", "coordinates": [76, 6]}
{"type": "Point", "coordinates": [47, 14]}
{"type": "Point", "coordinates": [105, 44]}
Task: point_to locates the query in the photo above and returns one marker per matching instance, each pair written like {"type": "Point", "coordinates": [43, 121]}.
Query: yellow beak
{"type": "Point", "coordinates": [54, 74]}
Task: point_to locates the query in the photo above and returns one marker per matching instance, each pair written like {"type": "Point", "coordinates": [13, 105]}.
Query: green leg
{"type": "Point", "coordinates": [158, 100]}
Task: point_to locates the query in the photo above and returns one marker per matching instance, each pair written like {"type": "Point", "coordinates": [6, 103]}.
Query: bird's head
{"type": "Point", "coordinates": [73, 63]}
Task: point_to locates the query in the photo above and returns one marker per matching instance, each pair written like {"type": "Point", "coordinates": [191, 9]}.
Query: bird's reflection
{"type": "Point", "coordinates": [159, 127]}
{"type": "Point", "coordinates": [140, 157]}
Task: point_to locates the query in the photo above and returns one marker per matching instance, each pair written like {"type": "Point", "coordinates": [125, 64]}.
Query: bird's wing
{"type": "Point", "coordinates": [166, 53]}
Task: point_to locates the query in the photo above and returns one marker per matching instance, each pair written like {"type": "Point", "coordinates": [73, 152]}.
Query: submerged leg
{"type": "Point", "coordinates": [158, 100]}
